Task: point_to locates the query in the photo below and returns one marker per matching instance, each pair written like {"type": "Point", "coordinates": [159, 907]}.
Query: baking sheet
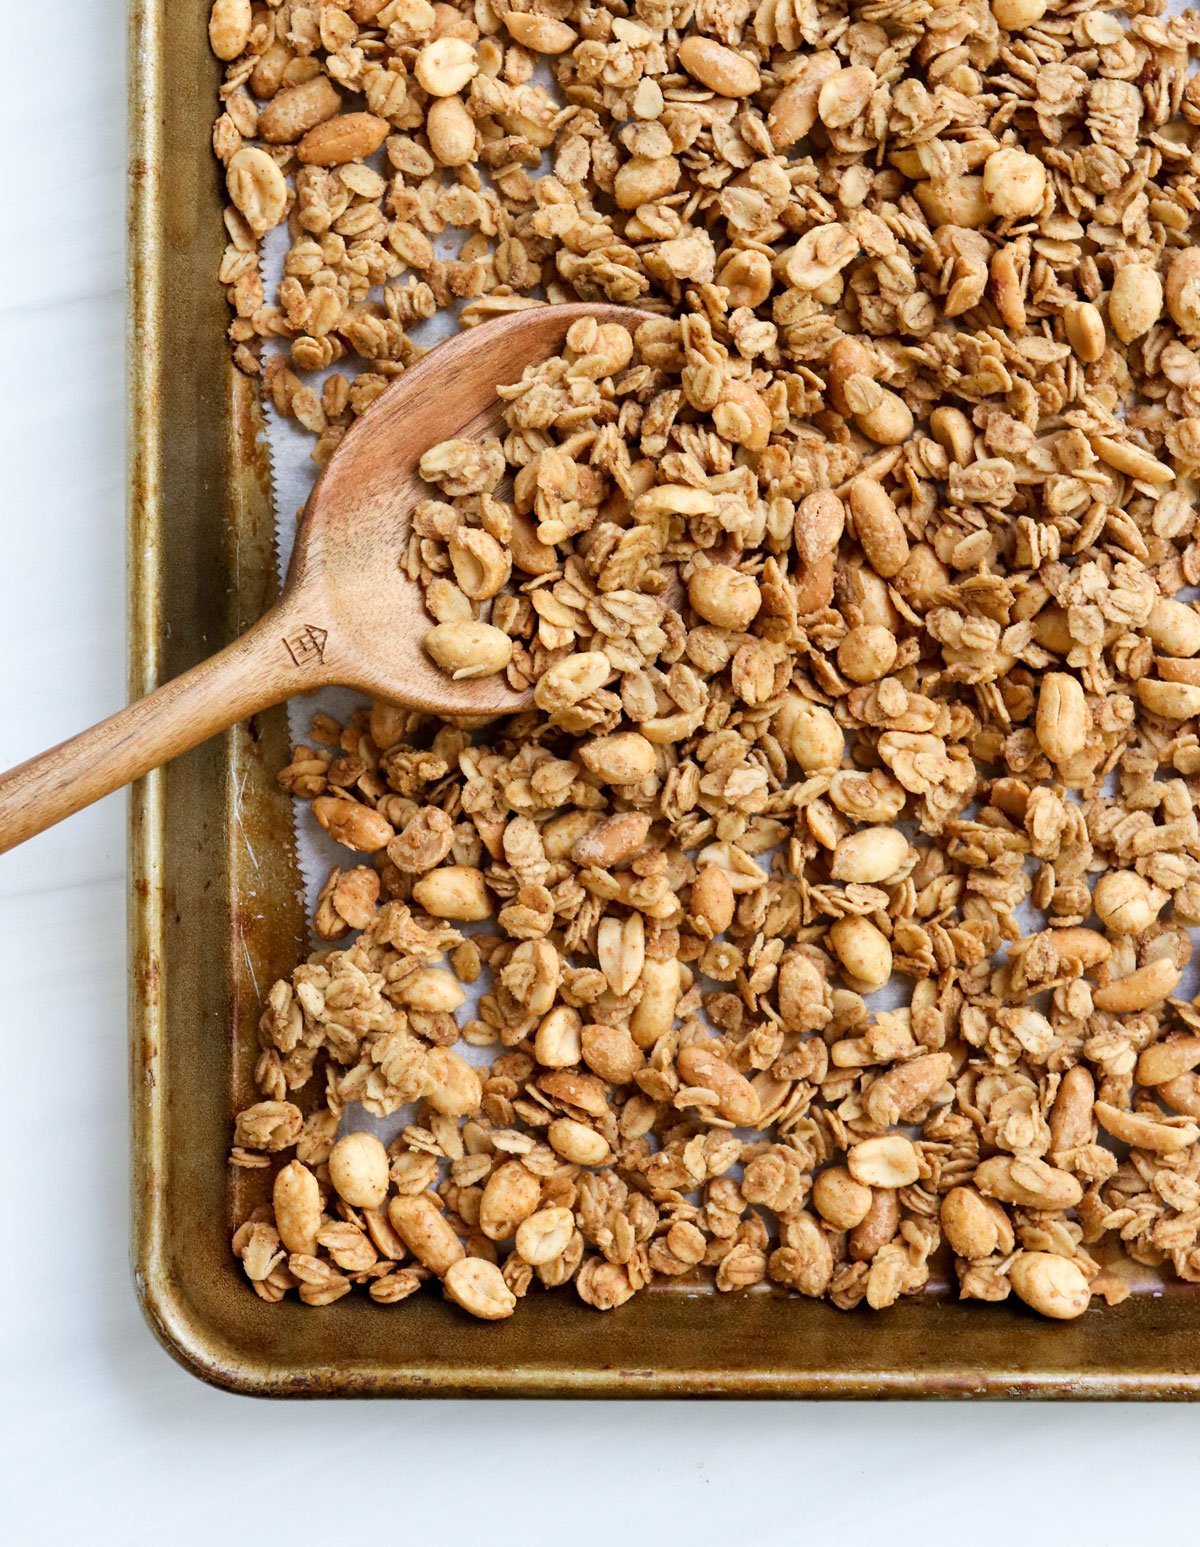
{"type": "Point", "coordinates": [215, 914]}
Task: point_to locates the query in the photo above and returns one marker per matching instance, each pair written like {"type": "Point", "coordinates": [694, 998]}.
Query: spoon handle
{"type": "Point", "coordinates": [271, 661]}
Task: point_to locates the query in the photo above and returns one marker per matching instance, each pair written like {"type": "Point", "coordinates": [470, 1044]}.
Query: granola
{"type": "Point", "coordinates": [855, 595]}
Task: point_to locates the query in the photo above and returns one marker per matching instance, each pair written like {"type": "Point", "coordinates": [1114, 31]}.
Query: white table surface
{"type": "Point", "coordinates": [99, 1431]}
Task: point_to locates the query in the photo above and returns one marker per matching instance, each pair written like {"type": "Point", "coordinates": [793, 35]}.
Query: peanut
{"type": "Point", "coordinates": [451, 131]}
{"type": "Point", "coordinates": [1169, 700]}
{"type": "Point", "coordinates": [451, 1085]}
{"type": "Point", "coordinates": [737, 1100]}
{"type": "Point", "coordinates": [794, 111]}
{"type": "Point", "coordinates": [878, 527]}
{"type": "Point", "coordinates": [878, 413]}
{"type": "Point", "coordinates": [888, 1161]}
{"type": "Point", "coordinates": [558, 1044]}
{"type": "Point", "coordinates": [1051, 1285]}
{"type": "Point", "coordinates": [712, 901]}
{"type": "Point", "coordinates": [445, 66]}
{"type": "Point", "coordinates": [612, 1053]}
{"type": "Point", "coordinates": [725, 596]}
{"type": "Point", "coordinates": [820, 521]}
{"type": "Point", "coordinates": [348, 137]}
{"type": "Point", "coordinates": [478, 1287]}
{"type": "Point", "coordinates": [469, 649]}
{"type": "Point", "coordinates": [845, 96]}
{"type": "Point", "coordinates": [816, 741]}
{"type": "Point", "coordinates": [1166, 1136]}
{"type": "Point", "coordinates": [545, 1235]}
{"type": "Point", "coordinates": [1174, 627]}
{"type": "Point", "coordinates": [976, 1227]}
{"type": "Point", "coordinates": [358, 1168]}
{"type": "Point", "coordinates": [1014, 15]}
{"type": "Point", "coordinates": [869, 856]}
{"type": "Point", "coordinates": [1032, 1183]}
{"type": "Point", "coordinates": [355, 826]}
{"type": "Point", "coordinates": [540, 34]}
{"type": "Point", "coordinates": [1085, 330]}
{"type": "Point", "coordinates": [431, 990]}
{"type": "Point", "coordinates": [1014, 183]}
{"type": "Point", "coordinates": [257, 188]}
{"type": "Point", "coordinates": [867, 653]}
{"type": "Point", "coordinates": [878, 1226]}
{"type": "Point", "coordinates": [655, 1011]}
{"type": "Point", "coordinates": [291, 113]}
{"type": "Point", "coordinates": [614, 841]}
{"type": "Point", "coordinates": [719, 68]}
{"type": "Point", "coordinates": [1182, 291]}
{"type": "Point", "coordinates": [229, 27]}
{"type": "Point", "coordinates": [1062, 717]}
{"type": "Point", "coordinates": [1141, 989]}
{"type": "Point", "coordinates": [863, 950]}
{"type": "Point", "coordinates": [1136, 301]}
{"type": "Point", "coordinates": [297, 1202]}
{"type": "Point", "coordinates": [901, 1092]}
{"type": "Point", "coordinates": [578, 1143]}
{"type": "Point", "coordinates": [1125, 903]}
{"type": "Point", "coordinates": [454, 892]}
{"type": "Point", "coordinates": [839, 1199]}
{"type": "Point", "coordinates": [510, 1197]}
{"type": "Point", "coordinates": [625, 758]}
{"type": "Point", "coordinates": [1071, 1114]}
{"type": "Point", "coordinates": [425, 1231]}
{"type": "Point", "coordinates": [1165, 1061]}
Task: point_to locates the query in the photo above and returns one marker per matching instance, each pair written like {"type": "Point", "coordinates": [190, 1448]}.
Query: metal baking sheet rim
{"type": "Point", "coordinates": [662, 1344]}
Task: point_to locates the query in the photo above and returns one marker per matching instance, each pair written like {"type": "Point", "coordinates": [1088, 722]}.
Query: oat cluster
{"type": "Point", "coordinates": [853, 592]}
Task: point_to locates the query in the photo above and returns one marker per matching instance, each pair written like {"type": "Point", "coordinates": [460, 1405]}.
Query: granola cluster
{"type": "Point", "coordinates": [853, 594]}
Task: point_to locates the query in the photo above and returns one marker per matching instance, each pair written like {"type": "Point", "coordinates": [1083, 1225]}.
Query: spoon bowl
{"type": "Point", "coordinates": [348, 614]}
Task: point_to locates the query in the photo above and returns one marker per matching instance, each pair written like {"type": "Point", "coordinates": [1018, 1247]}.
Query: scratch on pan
{"type": "Point", "coordinates": [238, 794]}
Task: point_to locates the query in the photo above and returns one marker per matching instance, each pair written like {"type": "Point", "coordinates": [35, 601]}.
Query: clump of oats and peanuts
{"type": "Point", "coordinates": [853, 590]}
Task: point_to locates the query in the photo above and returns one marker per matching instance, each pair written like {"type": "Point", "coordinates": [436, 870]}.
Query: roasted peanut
{"type": "Point", "coordinates": [348, 137]}
{"type": "Point", "coordinates": [291, 113]}
{"type": "Point", "coordinates": [468, 649]}
{"type": "Point", "coordinates": [869, 856]}
{"type": "Point", "coordinates": [257, 188]}
{"type": "Point", "coordinates": [454, 892]}
{"type": "Point", "coordinates": [839, 1199]}
{"type": "Point", "coordinates": [888, 1161]}
{"type": "Point", "coordinates": [445, 66]}
{"type": "Point", "coordinates": [1052, 1285]}
{"type": "Point", "coordinates": [1140, 989]}
{"type": "Point", "coordinates": [511, 1196]}
{"type": "Point", "coordinates": [1135, 302]}
{"type": "Point", "coordinates": [358, 1168]}
{"type": "Point", "coordinates": [878, 527]}
{"type": "Point", "coordinates": [737, 1099]}
{"type": "Point", "coordinates": [717, 67]}
{"type": "Point", "coordinates": [229, 27]}
{"type": "Point", "coordinates": [1030, 1182]}
{"type": "Point", "coordinates": [1062, 717]}
{"type": "Point", "coordinates": [976, 1227]}
{"type": "Point", "coordinates": [545, 1235]}
{"type": "Point", "coordinates": [478, 1287]}
{"type": "Point", "coordinates": [625, 758]}
{"type": "Point", "coordinates": [426, 1232]}
{"type": "Point", "coordinates": [725, 596]}
{"type": "Point", "coordinates": [297, 1202]}
{"type": "Point", "coordinates": [863, 951]}
{"type": "Point", "coordinates": [1014, 183]}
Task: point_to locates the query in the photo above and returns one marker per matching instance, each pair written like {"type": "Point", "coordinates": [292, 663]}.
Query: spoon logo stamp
{"type": "Point", "coordinates": [306, 645]}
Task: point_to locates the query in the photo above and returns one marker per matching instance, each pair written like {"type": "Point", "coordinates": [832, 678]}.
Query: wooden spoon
{"type": "Point", "coordinates": [348, 614]}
